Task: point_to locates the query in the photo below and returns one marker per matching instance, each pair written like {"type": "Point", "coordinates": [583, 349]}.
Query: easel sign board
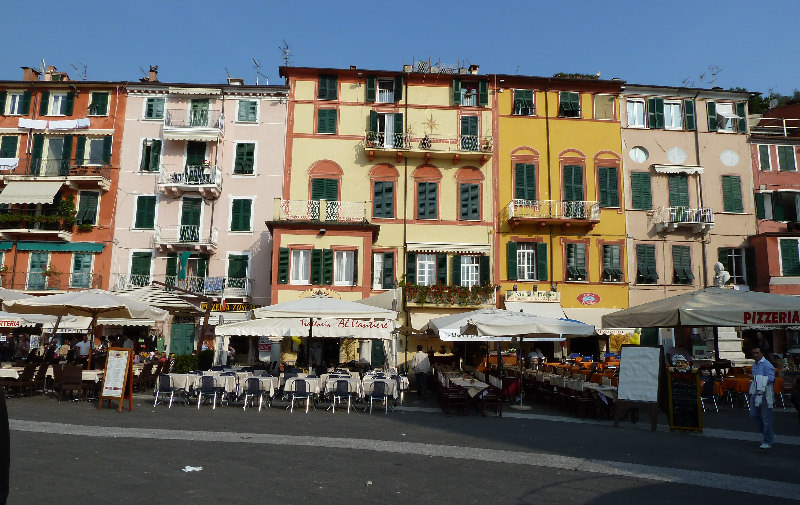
{"type": "Point", "coordinates": [685, 409]}
{"type": "Point", "coordinates": [118, 378]}
{"type": "Point", "coordinates": [638, 373]}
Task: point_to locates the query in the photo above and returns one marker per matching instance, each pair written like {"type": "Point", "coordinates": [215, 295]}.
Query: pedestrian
{"type": "Point", "coordinates": [83, 348]}
{"type": "Point", "coordinates": [763, 344]}
{"type": "Point", "coordinates": [421, 365]}
{"type": "Point", "coordinates": [762, 398]}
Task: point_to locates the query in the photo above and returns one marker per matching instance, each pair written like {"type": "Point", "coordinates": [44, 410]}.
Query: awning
{"type": "Point", "coordinates": [544, 309]}
{"type": "Point", "coordinates": [8, 163]}
{"type": "Point", "coordinates": [434, 247]}
{"type": "Point", "coordinates": [594, 317]}
{"type": "Point", "coordinates": [678, 169]}
{"type": "Point", "coordinates": [110, 321]}
{"type": "Point", "coordinates": [30, 192]}
{"type": "Point", "coordinates": [5, 245]}
{"type": "Point", "coordinates": [217, 318]}
{"type": "Point", "coordinates": [90, 247]}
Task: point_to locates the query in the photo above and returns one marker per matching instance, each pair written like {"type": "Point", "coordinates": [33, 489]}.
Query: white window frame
{"type": "Point", "coordinates": [384, 81]}
{"type": "Point", "coordinates": [793, 158]}
{"type": "Point", "coordinates": [526, 250]}
{"type": "Point", "coordinates": [231, 198]}
{"type": "Point", "coordinates": [672, 104]}
{"type": "Point", "coordinates": [721, 121]}
{"type": "Point", "coordinates": [426, 269]}
{"type": "Point", "coordinates": [14, 99]}
{"type": "Point", "coordinates": [469, 94]}
{"type": "Point", "coordinates": [768, 215]}
{"type": "Point", "coordinates": [769, 158]}
{"type": "Point", "coordinates": [108, 105]}
{"type": "Point", "coordinates": [144, 108]}
{"type": "Point", "coordinates": [258, 111]}
{"type": "Point", "coordinates": [51, 109]}
{"type": "Point", "coordinates": [640, 103]}
{"type": "Point", "coordinates": [228, 263]}
{"type": "Point", "coordinates": [387, 130]}
{"type": "Point", "coordinates": [255, 158]}
{"type": "Point", "coordinates": [136, 209]}
{"type": "Point", "coordinates": [470, 271]}
{"type": "Point", "coordinates": [377, 270]}
{"type": "Point", "coordinates": [739, 268]}
{"type": "Point", "coordinates": [613, 107]}
{"type": "Point", "coordinates": [340, 275]}
{"type": "Point", "coordinates": [99, 203]}
{"type": "Point", "coordinates": [303, 258]}
{"type": "Point", "coordinates": [87, 153]}
{"type": "Point", "coordinates": [91, 269]}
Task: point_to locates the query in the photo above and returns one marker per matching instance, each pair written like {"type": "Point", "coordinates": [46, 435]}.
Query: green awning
{"type": "Point", "coordinates": [5, 245]}
{"type": "Point", "coordinates": [90, 247]}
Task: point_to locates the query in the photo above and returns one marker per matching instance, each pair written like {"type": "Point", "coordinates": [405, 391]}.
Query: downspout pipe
{"type": "Point", "coordinates": [549, 175]}
{"type": "Point", "coordinates": [699, 183]}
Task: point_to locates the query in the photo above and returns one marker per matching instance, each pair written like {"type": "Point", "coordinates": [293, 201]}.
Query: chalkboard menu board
{"type": "Point", "coordinates": [685, 411]}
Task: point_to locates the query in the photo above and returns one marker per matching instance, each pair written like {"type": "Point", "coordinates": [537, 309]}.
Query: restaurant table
{"type": "Point", "coordinates": [391, 387]}
{"type": "Point", "coordinates": [473, 386]}
{"type": "Point", "coordinates": [87, 375]}
{"type": "Point", "coordinates": [11, 372]}
{"type": "Point", "coordinates": [353, 385]}
{"type": "Point", "coordinates": [605, 391]}
{"type": "Point", "coordinates": [282, 377]}
{"type": "Point", "coordinates": [312, 385]}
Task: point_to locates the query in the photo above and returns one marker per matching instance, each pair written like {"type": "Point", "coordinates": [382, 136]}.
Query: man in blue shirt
{"type": "Point", "coordinates": [762, 397]}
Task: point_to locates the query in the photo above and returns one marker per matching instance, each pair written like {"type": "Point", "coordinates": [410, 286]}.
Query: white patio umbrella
{"type": "Point", "coordinates": [10, 294]}
{"type": "Point", "coordinates": [501, 325]}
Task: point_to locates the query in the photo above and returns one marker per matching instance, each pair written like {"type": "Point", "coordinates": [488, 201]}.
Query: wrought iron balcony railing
{"type": "Point", "coordinates": [185, 235]}
{"type": "Point", "coordinates": [429, 143]}
{"type": "Point", "coordinates": [206, 285]}
{"type": "Point", "coordinates": [669, 218]}
{"type": "Point", "coordinates": [40, 280]}
{"type": "Point", "coordinates": [182, 118]}
{"type": "Point", "coordinates": [193, 177]}
{"type": "Point", "coordinates": [64, 167]}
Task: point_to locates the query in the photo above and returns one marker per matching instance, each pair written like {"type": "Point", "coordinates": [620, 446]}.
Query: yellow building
{"type": "Point", "coordinates": [561, 227]}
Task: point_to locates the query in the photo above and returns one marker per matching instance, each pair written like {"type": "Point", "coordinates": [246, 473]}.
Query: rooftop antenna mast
{"type": "Point", "coordinates": [258, 71]}
{"type": "Point", "coordinates": [81, 69]}
{"type": "Point", "coordinates": [715, 71]}
{"type": "Point", "coordinates": [284, 49]}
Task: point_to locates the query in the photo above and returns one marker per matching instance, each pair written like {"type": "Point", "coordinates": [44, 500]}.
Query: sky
{"type": "Point", "coordinates": [730, 43]}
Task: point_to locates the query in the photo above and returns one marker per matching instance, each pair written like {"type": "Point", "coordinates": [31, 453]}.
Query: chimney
{"type": "Point", "coordinates": [52, 74]}
{"type": "Point", "coordinates": [235, 81]}
{"type": "Point", "coordinates": [153, 77]}
{"type": "Point", "coordinates": [29, 74]}
{"type": "Point", "coordinates": [473, 69]}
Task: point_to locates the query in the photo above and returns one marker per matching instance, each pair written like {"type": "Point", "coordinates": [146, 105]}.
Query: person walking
{"type": "Point", "coordinates": [762, 397]}
{"type": "Point", "coordinates": [421, 366]}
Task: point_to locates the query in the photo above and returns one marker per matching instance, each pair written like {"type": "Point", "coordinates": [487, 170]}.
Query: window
{"type": "Point", "coordinates": [732, 193]}
{"type": "Point", "coordinates": [145, 212]}
{"type": "Point", "coordinates": [385, 130]}
{"type": "Point", "coordinates": [790, 257]}
{"type": "Point", "coordinates": [527, 261]}
{"type": "Point", "coordinates": [245, 159]}
{"type": "Point", "coordinates": [607, 186]}
{"type": "Point", "coordinates": [576, 262]}
{"type": "Point", "coordinates": [764, 162]}
{"type": "Point", "coordinates": [470, 141]}
{"type": "Point", "coordinates": [154, 108]}
{"type": "Point", "coordinates": [8, 146]}
{"type": "Point", "coordinates": [383, 199]}
{"type": "Point", "coordinates": [140, 268]}
{"type": "Point", "coordinates": [525, 181]}
{"type": "Point", "coordinates": [673, 117]}
{"type": "Point", "coordinates": [325, 189]}
{"type": "Point", "coordinates": [384, 90]}
{"type": "Point", "coordinates": [604, 106]}
{"type": "Point", "coordinates": [678, 190]}
{"type": "Point", "coordinates": [426, 269]}
{"type": "Point", "coordinates": [37, 264]}
{"type": "Point", "coordinates": [727, 117]}
{"type": "Point", "coordinates": [98, 148]}
{"type": "Point", "coordinates": [60, 104]}
{"type": "Point", "coordinates": [471, 94]}
{"type": "Point", "coordinates": [470, 202]}
{"type": "Point", "coordinates": [18, 103]}
{"type": "Point", "coordinates": [326, 121]}
{"type": "Point", "coordinates": [688, 113]}
{"type": "Point", "coordinates": [241, 210]}
{"type": "Point", "coordinates": [740, 263]}
{"type": "Point", "coordinates": [635, 113]}
{"type": "Point", "coordinates": [248, 111]}
{"type": "Point", "coordinates": [655, 113]}
{"type": "Point", "coordinates": [641, 197]}
{"type": "Point", "coordinates": [151, 155]}
{"type": "Point", "coordinates": [237, 270]}
{"type": "Point", "coordinates": [98, 105]}
{"type": "Point", "coordinates": [383, 270]}
{"type": "Point", "coordinates": [426, 200]}
{"type": "Point", "coordinates": [569, 104]}
{"type": "Point", "coordinates": [327, 87]}
{"type": "Point", "coordinates": [470, 271]}
{"type": "Point", "coordinates": [573, 192]}
{"type": "Point", "coordinates": [344, 268]}
{"type": "Point", "coordinates": [612, 263]}
{"type": "Point", "coordinates": [81, 271]}
{"type": "Point", "coordinates": [523, 102]}
{"type": "Point", "coordinates": [682, 264]}
{"type": "Point", "coordinates": [785, 206]}
{"type": "Point", "coordinates": [646, 264]}
{"type": "Point", "coordinates": [786, 159]}
{"type": "Point", "coordinates": [301, 266]}
{"type": "Point", "coordinates": [87, 208]}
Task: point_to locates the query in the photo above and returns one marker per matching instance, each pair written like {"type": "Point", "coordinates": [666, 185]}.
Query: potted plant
{"type": "Point", "coordinates": [85, 227]}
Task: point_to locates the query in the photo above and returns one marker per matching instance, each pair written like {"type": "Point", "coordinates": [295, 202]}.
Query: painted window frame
{"type": "Point", "coordinates": [72, 272]}
{"type": "Point", "coordinates": [761, 158]}
{"type": "Point", "coordinates": [255, 158]}
{"type": "Point", "coordinates": [562, 112]}
{"type": "Point", "coordinates": [518, 111]}
{"type": "Point", "coordinates": [783, 260]}
{"type": "Point", "coordinates": [792, 157]}
{"type": "Point", "coordinates": [426, 262]}
{"type": "Point", "coordinates": [673, 103]}
{"type": "Point", "coordinates": [155, 109]}
{"type": "Point", "coordinates": [613, 106]}
{"type": "Point", "coordinates": [20, 95]}
{"type": "Point", "coordinates": [642, 103]}
{"type": "Point", "coordinates": [343, 253]}
{"type": "Point", "coordinates": [242, 101]}
{"type": "Point", "coordinates": [81, 195]}
{"type": "Point", "coordinates": [581, 272]}
{"type": "Point", "coordinates": [303, 255]}
{"type": "Point", "coordinates": [327, 111]}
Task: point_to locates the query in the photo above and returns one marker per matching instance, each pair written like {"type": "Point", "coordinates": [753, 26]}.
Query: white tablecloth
{"type": "Point", "coordinates": [353, 385]}
{"type": "Point", "coordinates": [283, 378]}
{"type": "Point", "coordinates": [391, 387]}
{"type": "Point", "coordinates": [312, 385]}
{"type": "Point", "coordinates": [87, 375]}
{"type": "Point", "coordinates": [267, 384]}
{"type": "Point", "coordinates": [473, 387]}
{"type": "Point", "coordinates": [11, 373]}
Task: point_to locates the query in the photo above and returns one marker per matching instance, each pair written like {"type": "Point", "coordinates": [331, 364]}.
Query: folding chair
{"type": "Point", "coordinates": [300, 393]}
{"type": "Point", "coordinates": [252, 391]}
{"type": "Point", "coordinates": [379, 393]}
{"type": "Point", "coordinates": [207, 388]}
{"type": "Point", "coordinates": [164, 387]}
{"type": "Point", "coordinates": [342, 391]}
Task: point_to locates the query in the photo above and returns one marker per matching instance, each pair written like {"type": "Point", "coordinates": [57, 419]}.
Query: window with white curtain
{"type": "Point", "coordinates": [377, 271]}
{"type": "Point", "coordinates": [301, 267]}
{"type": "Point", "coordinates": [726, 117]}
{"type": "Point", "coordinates": [673, 119]}
{"type": "Point", "coordinates": [426, 269]}
{"type": "Point", "coordinates": [343, 268]}
{"type": "Point", "coordinates": [470, 271]}
{"type": "Point", "coordinates": [635, 113]}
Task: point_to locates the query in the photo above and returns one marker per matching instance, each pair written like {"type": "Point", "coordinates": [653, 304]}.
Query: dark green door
{"type": "Point", "coordinates": [38, 264]}
{"type": "Point", "coordinates": [378, 354]}
{"type": "Point", "coordinates": [199, 113]}
{"type": "Point", "coordinates": [182, 339]}
{"type": "Point", "coordinates": [469, 133]}
{"type": "Point", "coordinates": [190, 220]}
{"type": "Point", "coordinates": [195, 157]}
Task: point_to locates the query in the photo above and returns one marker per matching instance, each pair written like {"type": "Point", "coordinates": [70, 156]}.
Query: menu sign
{"type": "Point", "coordinates": [685, 410]}
{"type": "Point", "coordinates": [118, 378]}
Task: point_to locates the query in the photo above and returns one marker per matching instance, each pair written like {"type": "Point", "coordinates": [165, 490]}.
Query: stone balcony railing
{"type": "Point", "coordinates": [321, 210]}
{"type": "Point", "coordinates": [551, 211]}
{"type": "Point", "coordinates": [670, 218]}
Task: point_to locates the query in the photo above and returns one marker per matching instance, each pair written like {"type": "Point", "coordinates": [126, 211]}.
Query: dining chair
{"type": "Point", "coordinates": [207, 388]}
{"type": "Point", "coordinates": [341, 392]}
{"type": "Point", "coordinates": [252, 391]}
{"type": "Point", "coordinates": [379, 393]}
{"type": "Point", "coordinates": [299, 392]}
{"type": "Point", "coordinates": [165, 388]}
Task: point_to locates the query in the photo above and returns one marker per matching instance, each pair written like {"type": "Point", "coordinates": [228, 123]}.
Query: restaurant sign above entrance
{"type": "Point", "coordinates": [230, 307]}
{"type": "Point", "coordinates": [772, 317]}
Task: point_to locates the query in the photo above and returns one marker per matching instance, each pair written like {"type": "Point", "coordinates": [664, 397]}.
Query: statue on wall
{"type": "Point", "coordinates": [721, 276]}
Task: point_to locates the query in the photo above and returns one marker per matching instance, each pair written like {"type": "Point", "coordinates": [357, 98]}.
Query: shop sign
{"type": "Point", "coordinates": [772, 317]}
{"type": "Point", "coordinates": [10, 323]}
{"type": "Point", "coordinates": [349, 323]}
{"type": "Point", "coordinates": [264, 344]}
{"type": "Point", "coordinates": [533, 296]}
{"type": "Point", "coordinates": [588, 298]}
{"type": "Point", "coordinates": [230, 307]}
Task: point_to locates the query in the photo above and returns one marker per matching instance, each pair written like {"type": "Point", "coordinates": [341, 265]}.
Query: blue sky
{"type": "Point", "coordinates": [668, 42]}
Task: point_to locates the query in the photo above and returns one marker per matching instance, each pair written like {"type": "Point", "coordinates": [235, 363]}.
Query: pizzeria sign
{"type": "Point", "coordinates": [772, 317]}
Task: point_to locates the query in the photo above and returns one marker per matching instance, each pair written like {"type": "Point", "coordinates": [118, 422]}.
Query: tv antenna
{"type": "Point", "coordinates": [284, 49]}
{"type": "Point", "coordinates": [227, 72]}
{"type": "Point", "coordinates": [715, 71]}
{"type": "Point", "coordinates": [81, 69]}
{"type": "Point", "coordinates": [144, 74]}
{"type": "Point", "coordinates": [43, 67]}
{"type": "Point", "coordinates": [258, 71]}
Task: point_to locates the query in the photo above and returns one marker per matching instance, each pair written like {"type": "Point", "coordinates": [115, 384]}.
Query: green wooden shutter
{"type": "Point", "coordinates": [283, 265]}
{"type": "Point", "coordinates": [411, 268]}
{"type": "Point", "coordinates": [790, 259]}
{"type": "Point", "coordinates": [355, 268]}
{"type": "Point", "coordinates": [172, 265]}
{"type": "Point", "coordinates": [475, 202]}
{"type": "Point", "coordinates": [36, 153]}
{"type": "Point", "coordinates": [3, 97]}
{"type": "Point", "coordinates": [640, 191]}
{"type": "Point", "coordinates": [741, 111]}
{"type": "Point", "coordinates": [659, 113]}
{"type": "Point", "coordinates": [44, 101]}
{"type": "Point", "coordinates": [732, 193]}
{"type": "Point", "coordinates": [465, 201]}
{"type": "Point", "coordinates": [237, 266]}
{"type": "Point", "coordinates": [455, 270]}
{"type": "Point", "coordinates": [483, 93]}
{"type": "Point", "coordinates": [607, 186]}
{"type": "Point", "coordinates": [80, 150]}
{"type": "Point", "coordinates": [26, 103]}
{"type": "Point", "coordinates": [69, 104]}
{"type": "Point", "coordinates": [525, 181]}
{"type": "Point", "coordinates": [398, 130]}
{"type": "Point", "coordinates": [155, 155]}
{"type": "Point", "coordinates": [398, 88]}
{"type": "Point", "coordinates": [145, 212]}
{"type": "Point", "coordinates": [711, 112]}
{"type": "Point", "coordinates": [750, 267]}
{"type": "Point", "coordinates": [678, 190]}
{"type": "Point", "coordinates": [484, 270]}
{"type": "Point", "coordinates": [760, 210]}
{"type": "Point", "coordinates": [763, 157]}
{"type": "Point", "coordinates": [87, 208]}
{"type": "Point", "coordinates": [66, 154]}
{"type": "Point", "coordinates": [327, 266]}
{"type": "Point", "coordinates": [245, 159]}
{"type": "Point", "coordinates": [388, 270]}
{"type": "Point", "coordinates": [371, 86]}
{"type": "Point", "coordinates": [107, 149]}
{"type": "Point", "coordinates": [690, 121]}
{"type": "Point", "coordinates": [441, 269]}
{"type": "Point", "coordinates": [541, 261]}
{"type": "Point", "coordinates": [457, 91]}
{"type": "Point", "coordinates": [573, 183]}
{"type": "Point", "coordinates": [777, 206]}
{"type": "Point", "coordinates": [327, 87]}
{"type": "Point", "coordinates": [8, 146]}
{"type": "Point", "coordinates": [372, 126]}
{"type": "Point", "coordinates": [316, 266]}
{"type": "Point", "coordinates": [511, 261]}
{"type": "Point", "coordinates": [722, 257]}
{"type": "Point", "coordinates": [240, 214]}
{"type": "Point", "coordinates": [140, 263]}
{"type": "Point", "coordinates": [786, 159]}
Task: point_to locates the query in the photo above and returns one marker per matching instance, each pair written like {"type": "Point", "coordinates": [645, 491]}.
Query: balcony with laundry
{"type": "Point", "coordinates": [699, 220]}
{"type": "Point", "coordinates": [551, 212]}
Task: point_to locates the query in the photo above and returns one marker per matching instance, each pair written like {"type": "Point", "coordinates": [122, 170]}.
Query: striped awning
{"type": "Point", "coordinates": [158, 297]}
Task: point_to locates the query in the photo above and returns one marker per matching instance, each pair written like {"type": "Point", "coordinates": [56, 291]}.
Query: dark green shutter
{"type": "Point", "coordinates": [372, 127]}
{"type": "Point", "coordinates": [484, 269]}
{"type": "Point", "coordinates": [371, 85]}
{"type": "Point", "coordinates": [525, 181]}
{"type": "Point", "coordinates": [722, 257]}
{"type": "Point", "coordinates": [483, 93]}
{"type": "Point", "coordinates": [172, 265]}
{"type": "Point", "coordinates": [711, 112]}
{"type": "Point", "coordinates": [237, 267]}
{"type": "Point", "coordinates": [760, 210]}
{"type": "Point", "coordinates": [763, 157]}
{"type": "Point", "coordinates": [741, 111]}
{"type": "Point", "coordinates": [750, 266]}
{"type": "Point", "coordinates": [388, 270]}
{"type": "Point", "coordinates": [87, 208]}
{"type": "Point", "coordinates": [573, 183]}
{"type": "Point", "coordinates": [732, 193]}
{"type": "Point", "coordinates": [69, 104]}
{"type": "Point", "coordinates": [786, 159]}
{"type": "Point", "coordinates": [398, 130]}
{"type": "Point", "coordinates": [411, 268]}
{"type": "Point", "coordinates": [607, 186]}
{"type": "Point", "coordinates": [688, 112]}
{"type": "Point", "coordinates": [441, 269]}
{"type": "Point", "coordinates": [140, 263]}
{"type": "Point", "coordinates": [80, 149]}
{"type": "Point", "coordinates": [457, 91]}
{"type": "Point", "coordinates": [327, 87]}
{"type": "Point", "coordinates": [240, 214]}
{"type": "Point", "coordinates": [659, 113]}
{"type": "Point", "coordinates": [455, 270]}
{"type": "Point", "coordinates": [3, 96]}
{"type": "Point", "coordinates": [26, 103]}
{"type": "Point", "coordinates": [777, 207]}
{"type": "Point", "coordinates": [155, 155]}
{"type": "Point", "coordinates": [398, 88]}
{"type": "Point", "coordinates": [8, 146]}
{"type": "Point", "coordinates": [316, 266]}
{"type": "Point", "coordinates": [355, 268]}
{"type": "Point", "coordinates": [107, 149]}
{"type": "Point", "coordinates": [145, 212]}
{"type": "Point", "coordinates": [541, 261]}
{"type": "Point", "coordinates": [327, 266]}
{"type": "Point", "coordinates": [44, 101]}
{"type": "Point", "coordinates": [790, 258]}
{"type": "Point", "coordinates": [326, 121]}
{"type": "Point", "coordinates": [283, 265]}
{"type": "Point", "coordinates": [245, 159]}
{"type": "Point", "coordinates": [66, 154]}
{"type": "Point", "coordinates": [511, 261]}
{"type": "Point", "coordinates": [678, 190]}
{"type": "Point", "coordinates": [36, 153]}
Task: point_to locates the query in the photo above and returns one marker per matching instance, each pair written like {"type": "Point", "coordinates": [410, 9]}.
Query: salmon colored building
{"type": "Point", "coordinates": [59, 162]}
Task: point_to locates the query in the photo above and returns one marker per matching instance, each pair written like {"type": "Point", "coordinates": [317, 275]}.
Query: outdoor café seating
{"type": "Point", "coordinates": [299, 392]}
{"type": "Point", "coordinates": [379, 394]}
{"type": "Point", "coordinates": [253, 390]}
{"type": "Point", "coordinates": [165, 387]}
{"type": "Point", "coordinates": [208, 389]}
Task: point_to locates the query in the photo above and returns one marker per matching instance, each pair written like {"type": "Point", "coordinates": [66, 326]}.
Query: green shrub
{"type": "Point", "coordinates": [185, 363]}
{"type": "Point", "coordinates": [205, 359]}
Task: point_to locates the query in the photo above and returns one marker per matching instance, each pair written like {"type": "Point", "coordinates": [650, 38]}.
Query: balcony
{"type": "Point", "coordinates": [670, 218]}
{"type": "Point", "coordinates": [36, 225]}
{"type": "Point", "coordinates": [457, 147]}
{"type": "Point", "coordinates": [322, 211]}
{"type": "Point", "coordinates": [451, 296]}
{"type": "Point", "coordinates": [546, 212]}
{"type": "Point", "coordinates": [185, 237]}
{"type": "Point", "coordinates": [776, 127]}
{"type": "Point", "coordinates": [77, 177]}
{"type": "Point", "coordinates": [238, 287]}
{"type": "Point", "coordinates": [37, 281]}
{"type": "Point", "coordinates": [200, 125]}
{"type": "Point", "coordinates": [206, 180]}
